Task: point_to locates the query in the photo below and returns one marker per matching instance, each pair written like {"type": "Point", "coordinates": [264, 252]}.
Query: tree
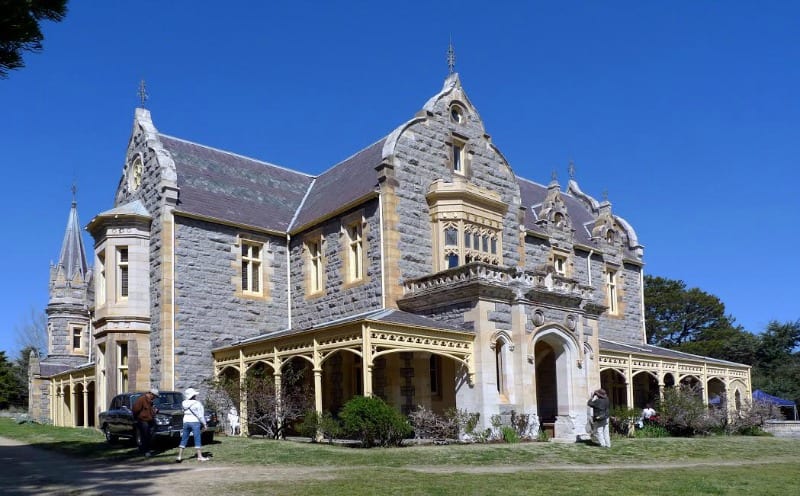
{"type": "Point", "coordinates": [676, 315]}
{"type": "Point", "coordinates": [31, 331]}
{"type": "Point", "coordinates": [726, 343]}
{"type": "Point", "coordinates": [12, 390]}
{"type": "Point", "coordinates": [777, 366]}
{"type": "Point", "coordinates": [19, 28]}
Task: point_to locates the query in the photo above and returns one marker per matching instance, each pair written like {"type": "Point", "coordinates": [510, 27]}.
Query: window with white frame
{"type": "Point", "coordinates": [251, 267]}
{"type": "Point", "coordinates": [122, 366]}
{"type": "Point", "coordinates": [560, 264]}
{"type": "Point", "coordinates": [355, 251]}
{"type": "Point", "coordinates": [315, 264]}
{"type": "Point", "coordinates": [611, 291]}
{"type": "Point", "coordinates": [122, 272]}
{"type": "Point", "coordinates": [459, 156]}
{"type": "Point", "coordinates": [101, 278]}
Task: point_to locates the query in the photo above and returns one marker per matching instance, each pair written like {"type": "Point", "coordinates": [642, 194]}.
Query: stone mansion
{"type": "Point", "coordinates": [421, 269]}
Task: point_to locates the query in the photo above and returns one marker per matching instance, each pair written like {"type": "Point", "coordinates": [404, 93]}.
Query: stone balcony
{"type": "Point", "coordinates": [479, 280]}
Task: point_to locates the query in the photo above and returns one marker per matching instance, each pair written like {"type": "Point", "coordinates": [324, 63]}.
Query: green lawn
{"type": "Point", "coordinates": [713, 465]}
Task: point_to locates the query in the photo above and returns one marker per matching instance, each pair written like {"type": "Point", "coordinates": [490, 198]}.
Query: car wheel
{"type": "Point", "coordinates": [207, 437]}
{"type": "Point", "coordinates": [111, 438]}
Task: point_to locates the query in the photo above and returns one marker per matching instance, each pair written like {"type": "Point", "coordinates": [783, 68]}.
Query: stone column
{"type": "Point", "coordinates": [85, 407]}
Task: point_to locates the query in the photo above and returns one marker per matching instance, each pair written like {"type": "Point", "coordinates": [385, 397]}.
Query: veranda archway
{"type": "Point", "coordinates": [717, 396]}
{"type": "Point", "coordinates": [645, 389]}
{"type": "Point", "coordinates": [615, 385]}
{"type": "Point", "coordinates": [77, 411]}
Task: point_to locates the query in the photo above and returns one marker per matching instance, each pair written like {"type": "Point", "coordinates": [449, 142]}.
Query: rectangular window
{"type": "Point", "coordinates": [436, 375]}
{"type": "Point", "coordinates": [77, 338]}
{"type": "Point", "coordinates": [315, 267]}
{"type": "Point", "coordinates": [560, 265]}
{"type": "Point", "coordinates": [122, 272]}
{"type": "Point", "coordinates": [251, 267]}
{"type": "Point", "coordinates": [122, 367]}
{"type": "Point", "coordinates": [458, 149]}
{"type": "Point", "coordinates": [101, 278]}
{"type": "Point", "coordinates": [611, 291]}
{"type": "Point", "coordinates": [355, 252]}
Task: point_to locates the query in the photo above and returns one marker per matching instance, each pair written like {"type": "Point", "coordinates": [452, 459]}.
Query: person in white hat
{"type": "Point", "coordinates": [194, 422]}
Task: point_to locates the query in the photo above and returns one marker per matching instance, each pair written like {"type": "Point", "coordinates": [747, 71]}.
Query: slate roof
{"type": "Point", "coordinates": [391, 316]}
{"type": "Point", "coordinates": [651, 351]}
{"type": "Point", "coordinates": [345, 182]}
{"type": "Point", "coordinates": [229, 187]}
{"type": "Point", "coordinates": [533, 194]}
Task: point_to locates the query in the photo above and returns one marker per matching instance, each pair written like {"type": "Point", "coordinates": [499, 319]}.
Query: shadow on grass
{"type": "Point", "coordinates": [77, 467]}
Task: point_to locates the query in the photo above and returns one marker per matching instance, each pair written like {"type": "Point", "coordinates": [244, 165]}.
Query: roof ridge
{"type": "Point", "coordinates": [234, 154]}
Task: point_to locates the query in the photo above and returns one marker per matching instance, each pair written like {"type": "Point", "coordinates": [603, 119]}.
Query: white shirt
{"type": "Point", "coordinates": [192, 409]}
{"type": "Point", "coordinates": [647, 413]}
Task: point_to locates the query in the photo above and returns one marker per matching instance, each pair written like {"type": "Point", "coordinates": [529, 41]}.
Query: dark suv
{"type": "Point", "coordinates": [118, 420]}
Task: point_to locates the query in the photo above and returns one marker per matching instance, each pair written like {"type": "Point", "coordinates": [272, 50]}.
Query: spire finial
{"type": "Point", "coordinates": [142, 93]}
{"type": "Point", "coordinates": [451, 57]}
{"type": "Point", "coordinates": [605, 195]}
{"type": "Point", "coordinates": [571, 169]}
{"type": "Point", "coordinates": [553, 175]}
{"type": "Point", "coordinates": [74, 190]}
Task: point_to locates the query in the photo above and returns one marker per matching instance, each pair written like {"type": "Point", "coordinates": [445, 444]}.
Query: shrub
{"type": "Point", "coordinates": [322, 424]}
{"type": "Point", "coordinates": [373, 422]}
{"type": "Point", "coordinates": [543, 436]}
{"type": "Point", "coordinates": [652, 430]}
{"type": "Point", "coordinates": [683, 413]}
{"type": "Point", "coordinates": [509, 434]}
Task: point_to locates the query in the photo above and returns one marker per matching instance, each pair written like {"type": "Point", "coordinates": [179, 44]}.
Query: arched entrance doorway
{"type": "Point", "coordinates": [553, 358]}
{"type": "Point", "coordinates": [645, 389]}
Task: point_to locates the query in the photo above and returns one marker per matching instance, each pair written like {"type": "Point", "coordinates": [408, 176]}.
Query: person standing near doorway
{"type": "Point", "coordinates": [144, 412]}
{"type": "Point", "coordinates": [600, 405]}
{"type": "Point", "coordinates": [194, 422]}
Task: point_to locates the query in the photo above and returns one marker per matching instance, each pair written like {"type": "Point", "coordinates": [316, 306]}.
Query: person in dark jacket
{"type": "Point", "coordinates": [144, 413]}
{"type": "Point", "coordinates": [600, 404]}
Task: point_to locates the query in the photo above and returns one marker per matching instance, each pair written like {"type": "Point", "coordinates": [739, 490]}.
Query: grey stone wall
{"type": "Point", "coordinates": [627, 327]}
{"type": "Point", "coordinates": [152, 198]}
{"type": "Point", "coordinates": [209, 313]}
{"type": "Point", "coordinates": [421, 156]}
{"type": "Point", "coordinates": [337, 300]}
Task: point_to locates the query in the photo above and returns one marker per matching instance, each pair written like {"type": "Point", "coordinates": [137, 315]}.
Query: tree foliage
{"type": "Point", "coordinates": [20, 31]}
{"type": "Point", "coordinates": [693, 321]}
{"type": "Point", "coordinates": [676, 315]}
{"type": "Point", "coordinates": [13, 389]}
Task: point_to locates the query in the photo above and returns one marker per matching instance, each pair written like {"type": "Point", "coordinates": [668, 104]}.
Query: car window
{"type": "Point", "coordinates": [169, 398]}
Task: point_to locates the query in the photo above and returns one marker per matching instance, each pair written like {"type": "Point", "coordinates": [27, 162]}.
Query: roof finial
{"type": "Point", "coordinates": [605, 195]}
{"type": "Point", "coordinates": [451, 57]}
{"type": "Point", "coordinates": [553, 175]}
{"type": "Point", "coordinates": [571, 169]}
{"type": "Point", "coordinates": [142, 93]}
{"type": "Point", "coordinates": [74, 190]}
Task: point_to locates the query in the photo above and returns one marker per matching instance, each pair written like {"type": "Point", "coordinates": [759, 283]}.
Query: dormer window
{"type": "Point", "coordinates": [611, 236]}
{"type": "Point", "coordinates": [560, 265]}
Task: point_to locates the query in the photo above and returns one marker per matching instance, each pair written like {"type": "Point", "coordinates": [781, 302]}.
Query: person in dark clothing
{"type": "Point", "coordinates": [600, 405]}
{"type": "Point", "coordinates": [144, 413]}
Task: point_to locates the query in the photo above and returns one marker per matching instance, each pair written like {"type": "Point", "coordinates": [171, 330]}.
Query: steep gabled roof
{"type": "Point", "coordinates": [72, 260]}
{"type": "Point", "coordinates": [342, 184]}
{"type": "Point", "coordinates": [229, 187]}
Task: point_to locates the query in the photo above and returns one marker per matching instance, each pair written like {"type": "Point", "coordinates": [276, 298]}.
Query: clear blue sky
{"type": "Point", "coordinates": [686, 112]}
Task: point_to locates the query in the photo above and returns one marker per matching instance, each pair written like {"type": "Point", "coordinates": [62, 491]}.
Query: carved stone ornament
{"type": "Point", "coordinates": [571, 322]}
{"type": "Point", "coordinates": [538, 318]}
